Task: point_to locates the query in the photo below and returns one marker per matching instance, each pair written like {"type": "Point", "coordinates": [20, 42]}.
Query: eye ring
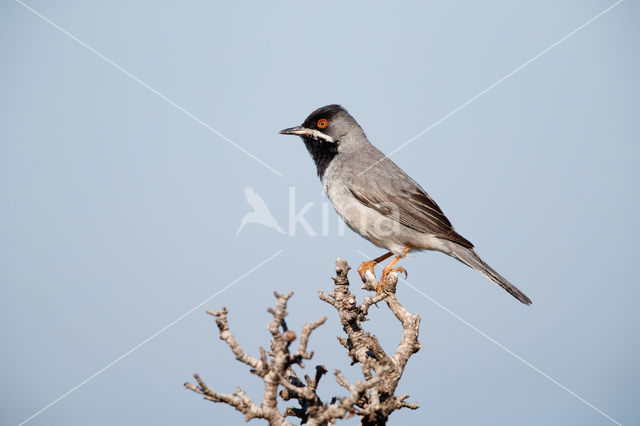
{"type": "Point", "coordinates": [322, 123]}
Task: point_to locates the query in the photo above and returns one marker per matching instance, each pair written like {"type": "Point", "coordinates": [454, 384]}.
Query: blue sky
{"type": "Point", "coordinates": [127, 145]}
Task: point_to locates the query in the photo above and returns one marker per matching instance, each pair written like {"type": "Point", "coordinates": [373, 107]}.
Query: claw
{"type": "Point", "coordinates": [382, 285]}
{"type": "Point", "coordinates": [364, 267]}
{"type": "Point", "coordinates": [402, 270]}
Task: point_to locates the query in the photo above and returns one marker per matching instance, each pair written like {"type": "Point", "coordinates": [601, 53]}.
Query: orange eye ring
{"type": "Point", "coordinates": [322, 123]}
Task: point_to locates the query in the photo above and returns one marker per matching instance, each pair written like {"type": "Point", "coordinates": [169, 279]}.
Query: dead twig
{"type": "Point", "coordinates": [372, 399]}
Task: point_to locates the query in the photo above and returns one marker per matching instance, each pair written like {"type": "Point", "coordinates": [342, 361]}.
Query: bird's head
{"type": "Point", "coordinates": [328, 124]}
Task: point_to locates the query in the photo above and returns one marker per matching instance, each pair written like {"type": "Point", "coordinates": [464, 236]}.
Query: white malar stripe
{"type": "Point", "coordinates": [316, 134]}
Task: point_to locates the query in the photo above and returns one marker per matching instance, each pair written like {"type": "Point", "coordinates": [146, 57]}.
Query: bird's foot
{"type": "Point", "coordinates": [382, 284]}
{"type": "Point", "coordinates": [364, 267]}
{"type": "Point", "coordinates": [401, 270]}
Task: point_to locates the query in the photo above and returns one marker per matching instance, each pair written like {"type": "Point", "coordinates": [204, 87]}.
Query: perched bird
{"type": "Point", "coordinates": [378, 200]}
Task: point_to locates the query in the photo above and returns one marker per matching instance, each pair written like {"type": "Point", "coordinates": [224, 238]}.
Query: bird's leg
{"type": "Point", "coordinates": [382, 284]}
{"type": "Point", "coordinates": [368, 266]}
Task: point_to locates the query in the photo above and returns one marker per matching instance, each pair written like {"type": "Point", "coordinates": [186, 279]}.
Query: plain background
{"type": "Point", "coordinates": [119, 212]}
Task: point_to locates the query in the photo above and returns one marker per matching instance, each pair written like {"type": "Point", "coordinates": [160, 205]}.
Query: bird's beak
{"type": "Point", "coordinates": [303, 131]}
{"type": "Point", "coordinates": [298, 130]}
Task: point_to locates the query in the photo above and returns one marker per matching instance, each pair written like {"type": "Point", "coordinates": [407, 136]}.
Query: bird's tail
{"type": "Point", "coordinates": [469, 257]}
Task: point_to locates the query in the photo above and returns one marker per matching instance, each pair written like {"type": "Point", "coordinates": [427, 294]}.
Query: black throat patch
{"type": "Point", "coordinates": [322, 153]}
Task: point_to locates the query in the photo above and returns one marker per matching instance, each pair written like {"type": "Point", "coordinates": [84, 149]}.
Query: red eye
{"type": "Point", "coordinates": [322, 123]}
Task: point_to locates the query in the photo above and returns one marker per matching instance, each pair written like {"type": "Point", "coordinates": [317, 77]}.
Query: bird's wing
{"type": "Point", "coordinates": [394, 194]}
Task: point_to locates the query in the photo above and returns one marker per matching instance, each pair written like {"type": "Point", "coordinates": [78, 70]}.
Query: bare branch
{"type": "Point", "coordinates": [304, 337]}
{"type": "Point", "coordinates": [238, 400]}
{"type": "Point", "coordinates": [372, 399]}
{"type": "Point", "coordinates": [225, 334]}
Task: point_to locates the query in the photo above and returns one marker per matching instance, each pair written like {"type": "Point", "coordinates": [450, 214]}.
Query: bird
{"type": "Point", "coordinates": [379, 201]}
{"type": "Point", "coordinates": [260, 214]}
